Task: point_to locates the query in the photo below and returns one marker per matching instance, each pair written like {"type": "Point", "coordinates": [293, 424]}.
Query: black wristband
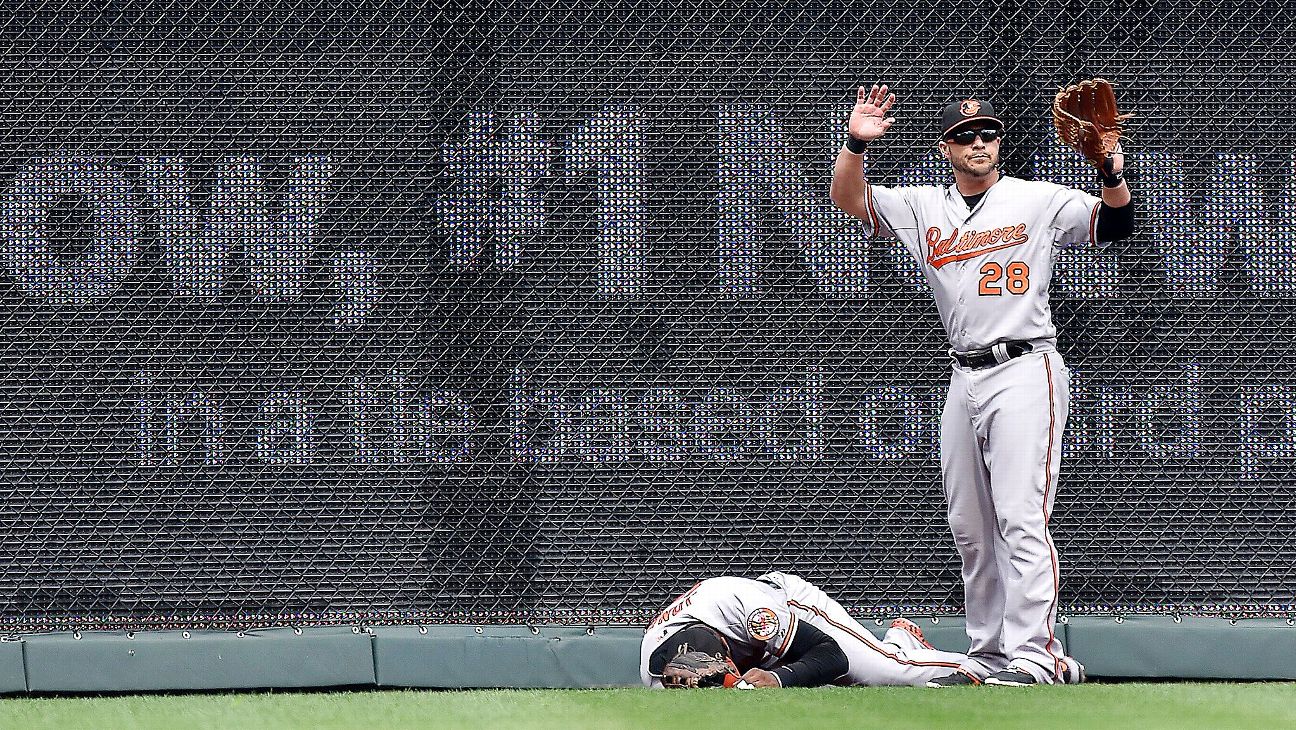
{"type": "Point", "coordinates": [1111, 180]}
{"type": "Point", "coordinates": [855, 145]}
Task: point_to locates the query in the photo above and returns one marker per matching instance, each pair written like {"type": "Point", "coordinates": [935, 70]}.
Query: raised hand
{"type": "Point", "coordinates": [869, 120]}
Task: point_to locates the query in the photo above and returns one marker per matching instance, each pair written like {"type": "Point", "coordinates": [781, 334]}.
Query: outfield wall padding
{"type": "Point", "coordinates": [13, 674]}
{"type": "Point", "coordinates": [101, 661]}
{"type": "Point", "coordinates": [1198, 648]}
{"type": "Point", "coordinates": [461, 656]}
{"type": "Point", "coordinates": [516, 656]}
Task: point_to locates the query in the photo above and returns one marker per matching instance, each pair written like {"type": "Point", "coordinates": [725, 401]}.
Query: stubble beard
{"type": "Point", "coordinates": [980, 170]}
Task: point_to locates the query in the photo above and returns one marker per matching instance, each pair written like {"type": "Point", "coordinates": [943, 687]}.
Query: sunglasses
{"type": "Point", "coordinates": [968, 135]}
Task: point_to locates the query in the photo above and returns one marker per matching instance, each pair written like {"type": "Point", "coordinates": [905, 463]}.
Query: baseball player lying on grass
{"type": "Point", "coordinates": [777, 630]}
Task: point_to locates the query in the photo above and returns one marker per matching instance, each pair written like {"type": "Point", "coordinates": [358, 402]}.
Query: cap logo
{"type": "Point", "coordinates": [970, 107]}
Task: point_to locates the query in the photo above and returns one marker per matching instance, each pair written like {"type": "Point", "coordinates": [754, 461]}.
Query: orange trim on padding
{"type": "Point", "coordinates": [1093, 224]}
{"type": "Point", "coordinates": [870, 644]}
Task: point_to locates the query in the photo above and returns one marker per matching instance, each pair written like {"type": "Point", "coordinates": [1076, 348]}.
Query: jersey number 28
{"type": "Point", "coordinates": [1017, 281]}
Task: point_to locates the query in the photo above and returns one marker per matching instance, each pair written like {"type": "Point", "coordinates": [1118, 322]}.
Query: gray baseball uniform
{"type": "Point", "coordinates": [759, 618]}
{"type": "Point", "coordinates": [1001, 430]}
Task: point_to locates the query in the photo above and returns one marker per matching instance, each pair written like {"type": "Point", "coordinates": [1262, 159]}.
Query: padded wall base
{"type": "Point", "coordinates": [446, 656]}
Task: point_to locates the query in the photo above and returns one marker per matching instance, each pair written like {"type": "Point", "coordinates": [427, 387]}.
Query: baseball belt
{"type": "Point", "coordinates": [996, 354]}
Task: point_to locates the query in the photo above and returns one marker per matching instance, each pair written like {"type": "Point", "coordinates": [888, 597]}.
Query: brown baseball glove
{"type": "Point", "coordinates": [693, 669]}
{"type": "Point", "coordinates": [1086, 118]}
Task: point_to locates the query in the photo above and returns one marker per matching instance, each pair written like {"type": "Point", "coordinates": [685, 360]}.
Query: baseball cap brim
{"type": "Point", "coordinates": [995, 121]}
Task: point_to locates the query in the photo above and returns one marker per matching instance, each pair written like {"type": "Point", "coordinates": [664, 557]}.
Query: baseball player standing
{"type": "Point", "coordinates": [987, 245]}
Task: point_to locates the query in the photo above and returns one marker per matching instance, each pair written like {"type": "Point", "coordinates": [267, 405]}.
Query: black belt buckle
{"type": "Point", "coordinates": [981, 359]}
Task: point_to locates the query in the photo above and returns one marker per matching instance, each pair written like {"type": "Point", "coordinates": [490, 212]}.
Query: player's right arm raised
{"type": "Point", "coordinates": [868, 121]}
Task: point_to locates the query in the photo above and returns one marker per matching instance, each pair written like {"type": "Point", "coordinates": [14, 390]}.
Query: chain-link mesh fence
{"type": "Point", "coordinates": [384, 312]}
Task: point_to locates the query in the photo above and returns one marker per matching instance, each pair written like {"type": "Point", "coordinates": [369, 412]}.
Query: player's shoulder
{"type": "Point", "coordinates": [913, 193]}
{"type": "Point", "coordinates": [1018, 183]}
{"type": "Point", "coordinates": [934, 190]}
{"type": "Point", "coordinates": [1044, 187]}
{"type": "Point", "coordinates": [1038, 190]}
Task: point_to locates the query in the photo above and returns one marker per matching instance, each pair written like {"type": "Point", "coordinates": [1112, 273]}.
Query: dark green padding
{"type": "Point", "coordinates": [1193, 648]}
{"type": "Point", "coordinates": [506, 656]}
{"type": "Point", "coordinates": [166, 660]}
{"type": "Point", "coordinates": [560, 656]}
{"type": "Point", "coordinates": [13, 673]}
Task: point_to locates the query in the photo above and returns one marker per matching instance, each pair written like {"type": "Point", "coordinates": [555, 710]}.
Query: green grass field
{"type": "Point", "coordinates": [1141, 706]}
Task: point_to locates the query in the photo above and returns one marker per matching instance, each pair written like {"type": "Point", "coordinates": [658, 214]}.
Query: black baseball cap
{"type": "Point", "coordinates": [959, 113]}
{"type": "Point", "coordinates": [693, 637]}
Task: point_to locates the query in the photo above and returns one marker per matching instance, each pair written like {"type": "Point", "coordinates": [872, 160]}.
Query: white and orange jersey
{"type": "Point", "coordinates": [760, 619]}
{"type": "Point", "coordinates": [752, 616]}
{"type": "Point", "coordinates": [989, 267]}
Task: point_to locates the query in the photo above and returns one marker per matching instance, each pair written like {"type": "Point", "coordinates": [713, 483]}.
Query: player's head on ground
{"type": "Point", "coordinates": [692, 639]}
{"type": "Point", "coordinates": [970, 136]}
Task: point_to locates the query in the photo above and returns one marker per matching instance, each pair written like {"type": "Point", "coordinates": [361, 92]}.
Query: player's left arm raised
{"type": "Point", "coordinates": [1087, 119]}
{"type": "Point", "coordinates": [1115, 191]}
{"type": "Point", "coordinates": [1116, 212]}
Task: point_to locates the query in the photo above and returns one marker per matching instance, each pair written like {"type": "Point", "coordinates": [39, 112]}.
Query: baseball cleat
{"type": "Point", "coordinates": [1075, 672]}
{"type": "Point", "coordinates": [959, 678]}
{"type": "Point", "coordinates": [905, 624]}
{"type": "Point", "coordinates": [1012, 677]}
